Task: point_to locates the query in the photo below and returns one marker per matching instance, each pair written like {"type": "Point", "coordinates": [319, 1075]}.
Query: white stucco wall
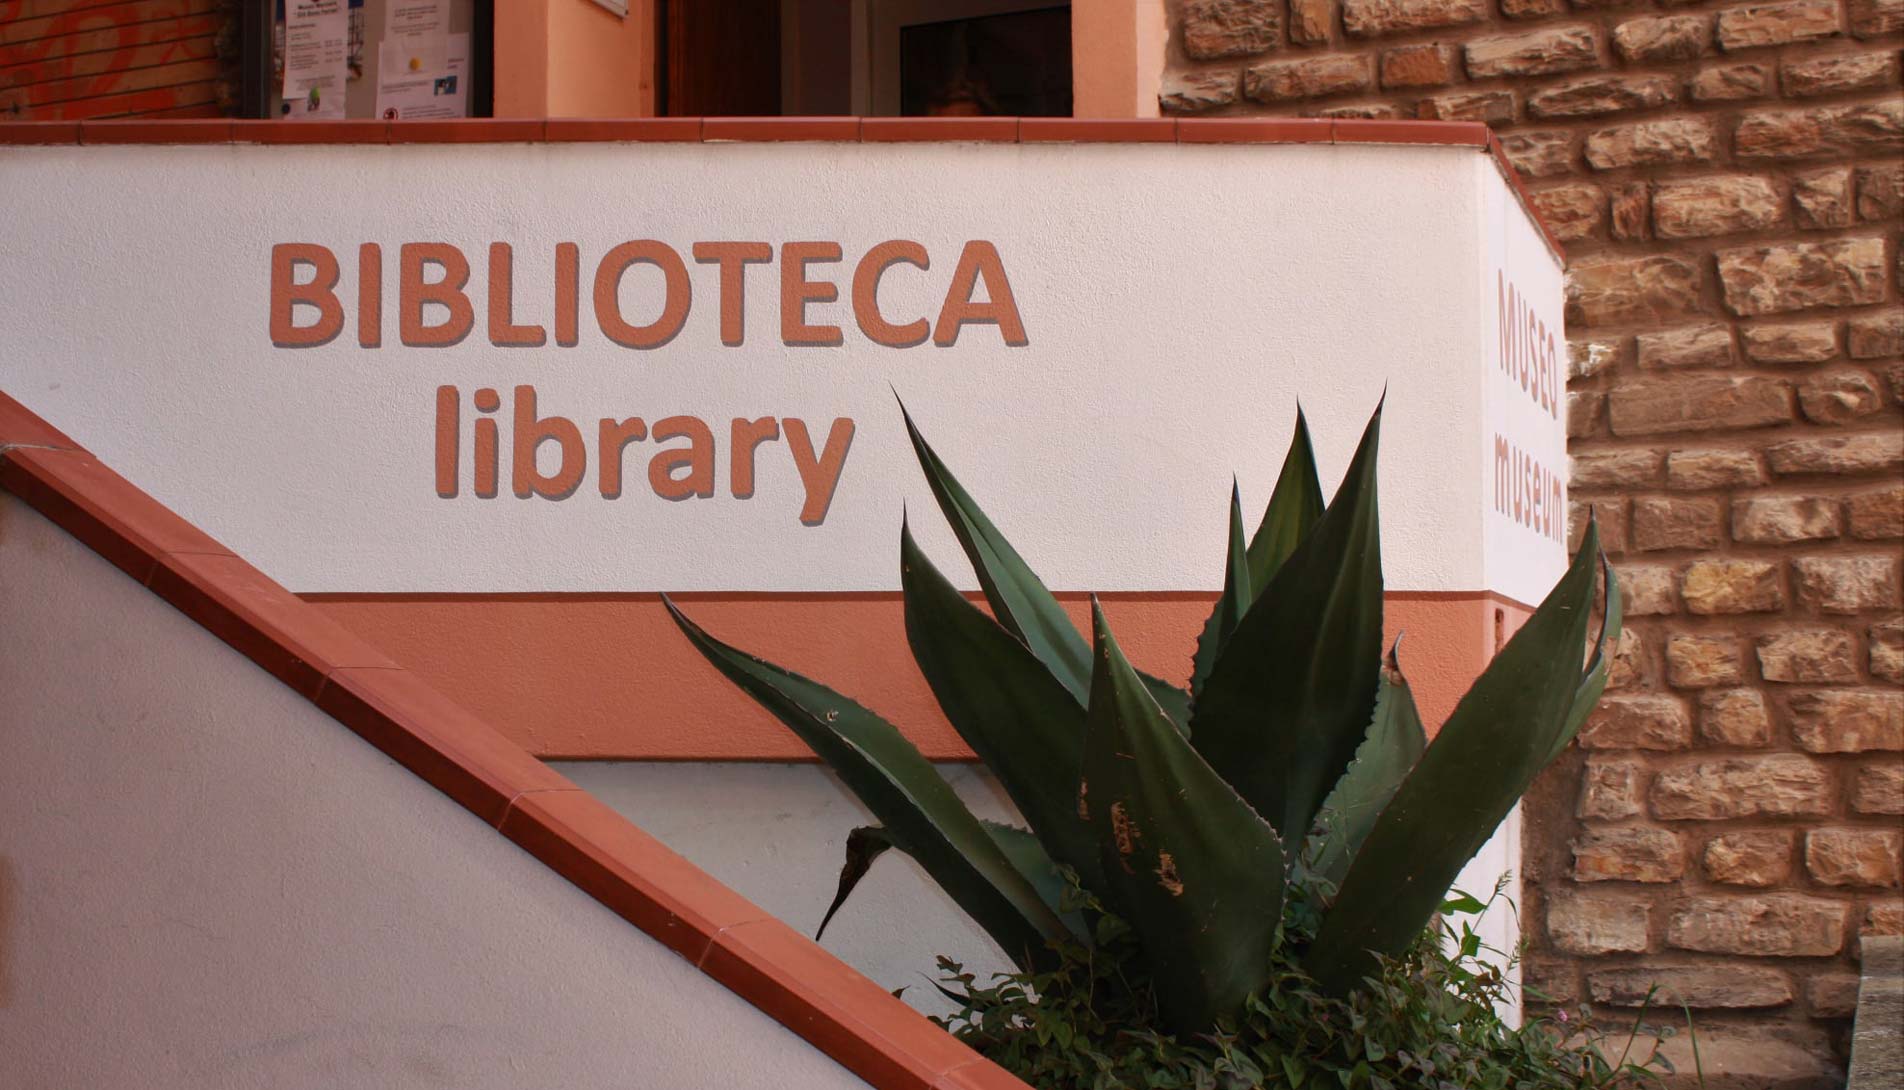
{"type": "Point", "coordinates": [1177, 300]}
{"type": "Point", "coordinates": [206, 883]}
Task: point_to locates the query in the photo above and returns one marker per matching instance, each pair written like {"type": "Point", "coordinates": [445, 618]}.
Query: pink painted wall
{"type": "Point", "coordinates": [574, 58]}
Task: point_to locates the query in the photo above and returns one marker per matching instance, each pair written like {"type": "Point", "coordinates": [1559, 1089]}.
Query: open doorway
{"type": "Point", "coordinates": [890, 58]}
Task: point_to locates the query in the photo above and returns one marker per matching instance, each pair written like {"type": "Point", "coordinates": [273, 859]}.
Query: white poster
{"type": "Point", "coordinates": [416, 34]}
{"type": "Point", "coordinates": [316, 51]}
{"type": "Point", "coordinates": [404, 94]}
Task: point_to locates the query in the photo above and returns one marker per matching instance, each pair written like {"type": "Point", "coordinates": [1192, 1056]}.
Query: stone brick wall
{"type": "Point", "coordinates": [1728, 179]}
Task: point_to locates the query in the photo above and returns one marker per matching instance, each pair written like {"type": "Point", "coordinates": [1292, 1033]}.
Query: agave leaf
{"type": "Point", "coordinates": [1019, 599]}
{"type": "Point", "coordinates": [1230, 606]}
{"type": "Point", "coordinates": [1025, 851]}
{"type": "Point", "coordinates": [863, 845]}
{"type": "Point", "coordinates": [1195, 871]}
{"type": "Point", "coordinates": [1394, 743]}
{"type": "Point", "coordinates": [1294, 509]}
{"type": "Point", "coordinates": [1479, 765]}
{"type": "Point", "coordinates": [1293, 692]}
{"type": "Point", "coordinates": [1599, 666]}
{"type": "Point", "coordinates": [918, 809]}
{"type": "Point", "coordinates": [1010, 709]}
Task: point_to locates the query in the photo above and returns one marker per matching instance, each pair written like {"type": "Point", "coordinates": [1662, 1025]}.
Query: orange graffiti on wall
{"type": "Point", "coordinates": [72, 59]}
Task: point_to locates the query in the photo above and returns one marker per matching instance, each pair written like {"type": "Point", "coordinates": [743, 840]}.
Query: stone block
{"type": "Point", "coordinates": [1312, 77]}
{"type": "Point", "coordinates": [1821, 200]}
{"type": "Point", "coordinates": [1692, 470]}
{"type": "Point", "coordinates": [1214, 29]}
{"type": "Point", "coordinates": [1848, 720]}
{"type": "Point", "coordinates": [1652, 721]}
{"type": "Point", "coordinates": [1610, 789]}
{"type": "Point", "coordinates": [1731, 586]}
{"type": "Point", "coordinates": [1839, 397]}
{"type": "Point", "coordinates": [1730, 83]}
{"type": "Point", "coordinates": [1571, 211]}
{"type": "Point", "coordinates": [1869, 336]}
{"type": "Point", "coordinates": [1887, 651]}
{"type": "Point", "coordinates": [1310, 20]}
{"type": "Point", "coordinates": [1760, 859]}
{"type": "Point", "coordinates": [1491, 107]}
{"type": "Point", "coordinates": [1762, 25]}
{"type": "Point", "coordinates": [1798, 276]}
{"type": "Point", "coordinates": [1790, 342]}
{"type": "Point", "coordinates": [1428, 65]}
{"type": "Point", "coordinates": [1590, 925]}
{"type": "Point", "coordinates": [1838, 75]}
{"type": "Point", "coordinates": [1880, 192]}
{"type": "Point", "coordinates": [1866, 858]}
{"type": "Point", "coordinates": [1772, 925]}
{"type": "Point", "coordinates": [1649, 589]}
{"type": "Point", "coordinates": [1539, 154]}
{"type": "Point", "coordinates": [1599, 95]}
{"type": "Point", "coordinates": [1194, 92]}
{"type": "Point", "coordinates": [1627, 853]}
{"type": "Point", "coordinates": [1836, 131]}
{"type": "Point", "coordinates": [1663, 39]}
{"type": "Point", "coordinates": [1847, 584]}
{"type": "Point", "coordinates": [1734, 717]}
{"type": "Point", "coordinates": [1651, 143]}
{"type": "Point", "coordinates": [1781, 520]}
{"type": "Point", "coordinates": [1809, 656]}
{"type": "Point", "coordinates": [1837, 455]}
{"type": "Point", "coordinates": [1660, 523]}
{"type": "Point", "coordinates": [1701, 987]}
{"type": "Point", "coordinates": [1776, 785]}
{"type": "Point", "coordinates": [1691, 404]}
{"type": "Point", "coordinates": [1717, 205]}
{"type": "Point", "coordinates": [1374, 18]}
{"type": "Point", "coordinates": [1877, 787]}
{"type": "Point", "coordinates": [1544, 52]}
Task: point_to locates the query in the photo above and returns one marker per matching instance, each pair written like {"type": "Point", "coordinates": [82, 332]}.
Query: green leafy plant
{"type": "Point", "coordinates": [1293, 771]}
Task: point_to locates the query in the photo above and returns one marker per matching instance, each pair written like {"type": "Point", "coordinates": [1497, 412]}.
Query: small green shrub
{"type": "Point", "coordinates": [1428, 1022]}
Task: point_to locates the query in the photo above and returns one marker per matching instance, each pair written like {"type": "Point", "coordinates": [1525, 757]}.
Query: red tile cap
{"type": "Point", "coordinates": [641, 129]}
{"type": "Point", "coordinates": [469, 130]}
{"type": "Point", "coordinates": [634, 874]}
{"type": "Point", "coordinates": [770, 129]}
{"type": "Point", "coordinates": [311, 132]}
{"type": "Point", "coordinates": [39, 132]}
{"type": "Point", "coordinates": [205, 131]}
{"type": "Point", "coordinates": [1254, 130]}
{"type": "Point", "coordinates": [1466, 134]}
{"type": "Point", "coordinates": [1088, 130]}
{"type": "Point", "coordinates": [817, 996]}
{"type": "Point", "coordinates": [236, 602]}
{"type": "Point", "coordinates": [427, 733]}
{"type": "Point", "coordinates": [883, 130]}
{"type": "Point", "coordinates": [19, 424]}
{"type": "Point", "coordinates": [101, 508]}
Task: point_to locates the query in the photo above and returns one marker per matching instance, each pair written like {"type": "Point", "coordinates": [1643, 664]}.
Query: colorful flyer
{"type": "Point", "coordinates": [316, 51]}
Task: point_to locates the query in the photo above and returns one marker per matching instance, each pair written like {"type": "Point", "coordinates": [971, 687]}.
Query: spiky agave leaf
{"type": "Point", "coordinates": [1394, 742]}
{"type": "Point", "coordinates": [1294, 508]}
{"type": "Point", "coordinates": [918, 809]}
{"type": "Point", "coordinates": [1195, 871]}
{"type": "Point", "coordinates": [863, 845]}
{"type": "Point", "coordinates": [1019, 599]}
{"type": "Point", "coordinates": [1230, 606]}
{"type": "Point", "coordinates": [1014, 714]}
{"type": "Point", "coordinates": [1291, 696]}
{"type": "Point", "coordinates": [1599, 666]}
{"type": "Point", "coordinates": [1480, 763]}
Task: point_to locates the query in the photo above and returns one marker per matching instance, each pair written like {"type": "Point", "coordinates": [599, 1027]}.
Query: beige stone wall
{"type": "Point", "coordinates": [1728, 180]}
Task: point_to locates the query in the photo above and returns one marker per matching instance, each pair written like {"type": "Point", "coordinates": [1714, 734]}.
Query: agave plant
{"type": "Point", "coordinates": [1296, 753]}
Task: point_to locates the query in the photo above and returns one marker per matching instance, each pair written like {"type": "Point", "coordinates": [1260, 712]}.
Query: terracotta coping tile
{"type": "Point", "coordinates": [314, 132]}
{"type": "Point", "coordinates": [101, 508]}
{"type": "Point", "coordinates": [204, 131]}
{"type": "Point", "coordinates": [780, 128]}
{"type": "Point", "coordinates": [19, 424]}
{"type": "Point", "coordinates": [895, 129]}
{"type": "Point", "coordinates": [840, 1009]}
{"type": "Point", "coordinates": [39, 132]}
{"type": "Point", "coordinates": [1255, 130]}
{"type": "Point", "coordinates": [469, 130]}
{"type": "Point", "coordinates": [643, 129]}
{"type": "Point", "coordinates": [734, 941]}
{"type": "Point", "coordinates": [268, 624]}
{"type": "Point", "coordinates": [427, 733]}
{"type": "Point", "coordinates": [1088, 130]}
{"type": "Point", "coordinates": [632, 873]}
{"type": "Point", "coordinates": [1464, 134]}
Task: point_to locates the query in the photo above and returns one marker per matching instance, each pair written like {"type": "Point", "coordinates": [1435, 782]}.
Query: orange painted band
{"type": "Point", "coordinates": [609, 677]}
{"type": "Point", "coordinates": [1027, 130]}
